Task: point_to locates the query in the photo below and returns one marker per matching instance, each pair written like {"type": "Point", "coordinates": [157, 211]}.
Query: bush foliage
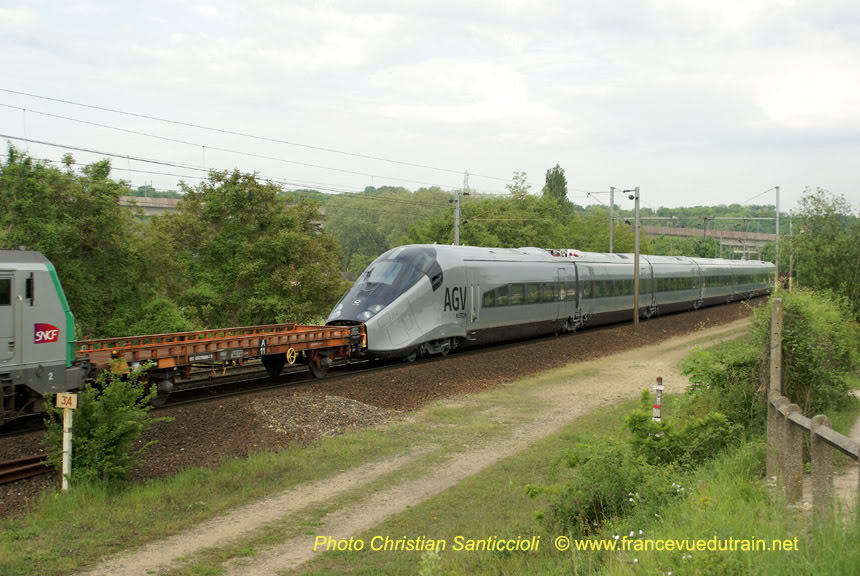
{"type": "Point", "coordinates": [634, 476]}
{"type": "Point", "coordinates": [689, 446]}
{"type": "Point", "coordinates": [110, 418]}
{"type": "Point", "coordinates": [725, 378]}
{"type": "Point", "coordinates": [820, 347]}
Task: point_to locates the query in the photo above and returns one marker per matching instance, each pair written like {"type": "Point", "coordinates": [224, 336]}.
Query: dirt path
{"type": "Point", "coordinates": [161, 554]}
{"type": "Point", "coordinates": [608, 380]}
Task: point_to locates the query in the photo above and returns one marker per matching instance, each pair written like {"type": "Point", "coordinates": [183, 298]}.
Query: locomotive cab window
{"type": "Point", "coordinates": [5, 291]}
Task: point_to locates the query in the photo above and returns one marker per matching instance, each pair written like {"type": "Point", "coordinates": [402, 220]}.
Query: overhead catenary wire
{"type": "Point", "coordinates": [757, 195]}
{"type": "Point", "coordinates": [249, 135]}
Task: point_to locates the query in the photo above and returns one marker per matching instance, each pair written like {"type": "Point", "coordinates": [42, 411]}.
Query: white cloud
{"type": "Point", "coordinates": [17, 20]}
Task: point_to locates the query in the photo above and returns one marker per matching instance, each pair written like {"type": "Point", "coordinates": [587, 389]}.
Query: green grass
{"type": "Point", "coordinates": [726, 498]}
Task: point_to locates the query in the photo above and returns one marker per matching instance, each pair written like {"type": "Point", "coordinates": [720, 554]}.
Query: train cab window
{"type": "Point", "coordinates": [5, 291]}
{"type": "Point", "coordinates": [547, 292]}
{"type": "Point", "coordinates": [503, 299]}
{"type": "Point", "coordinates": [517, 294]}
{"type": "Point", "coordinates": [532, 293]}
{"type": "Point", "coordinates": [489, 299]}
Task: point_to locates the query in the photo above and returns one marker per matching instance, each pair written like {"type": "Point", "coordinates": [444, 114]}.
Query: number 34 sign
{"type": "Point", "coordinates": [65, 400]}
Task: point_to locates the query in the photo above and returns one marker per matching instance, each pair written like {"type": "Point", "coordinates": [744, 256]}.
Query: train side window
{"type": "Point", "coordinates": [546, 292]}
{"type": "Point", "coordinates": [630, 287]}
{"type": "Point", "coordinates": [517, 294]}
{"type": "Point", "coordinates": [5, 291]}
{"type": "Point", "coordinates": [489, 299]}
{"type": "Point", "coordinates": [503, 295]}
{"type": "Point", "coordinates": [587, 289]}
{"type": "Point", "coordinates": [532, 293]}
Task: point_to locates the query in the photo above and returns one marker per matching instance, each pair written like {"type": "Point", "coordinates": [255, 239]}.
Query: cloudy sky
{"type": "Point", "coordinates": [696, 102]}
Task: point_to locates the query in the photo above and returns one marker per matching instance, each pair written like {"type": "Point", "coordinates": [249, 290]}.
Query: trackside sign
{"type": "Point", "coordinates": [45, 333]}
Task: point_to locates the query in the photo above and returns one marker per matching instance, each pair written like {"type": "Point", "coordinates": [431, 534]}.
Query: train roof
{"type": "Point", "coordinates": [527, 254]}
{"type": "Point", "coordinates": [21, 257]}
{"type": "Point", "coordinates": [532, 254]}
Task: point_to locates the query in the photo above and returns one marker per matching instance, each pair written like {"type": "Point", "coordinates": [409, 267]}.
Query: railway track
{"type": "Point", "coordinates": [20, 468]}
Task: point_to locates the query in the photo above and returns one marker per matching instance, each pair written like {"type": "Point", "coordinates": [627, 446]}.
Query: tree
{"type": "Point", "coordinates": [556, 186]}
{"type": "Point", "coordinates": [251, 257]}
{"type": "Point", "coordinates": [103, 254]}
{"type": "Point", "coordinates": [826, 245]}
{"type": "Point", "coordinates": [519, 187]}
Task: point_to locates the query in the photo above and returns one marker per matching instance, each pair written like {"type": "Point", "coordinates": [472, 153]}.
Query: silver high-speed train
{"type": "Point", "coordinates": [430, 299]}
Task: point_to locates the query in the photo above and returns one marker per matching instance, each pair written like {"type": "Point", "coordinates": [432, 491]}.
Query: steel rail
{"type": "Point", "coordinates": [21, 468]}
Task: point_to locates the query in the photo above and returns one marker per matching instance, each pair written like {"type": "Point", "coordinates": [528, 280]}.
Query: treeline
{"type": "Point", "coordinates": [242, 251]}
{"type": "Point", "coordinates": [233, 254]}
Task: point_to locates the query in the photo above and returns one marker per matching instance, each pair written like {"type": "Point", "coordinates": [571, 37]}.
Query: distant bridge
{"type": "Point", "coordinates": [733, 241]}
{"type": "Point", "coordinates": [150, 206]}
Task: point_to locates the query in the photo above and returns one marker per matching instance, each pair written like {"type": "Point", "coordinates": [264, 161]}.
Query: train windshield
{"type": "Point", "coordinates": [384, 280]}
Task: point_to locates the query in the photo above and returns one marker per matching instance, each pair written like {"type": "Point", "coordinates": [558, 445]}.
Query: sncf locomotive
{"type": "Point", "coordinates": [37, 330]}
{"type": "Point", "coordinates": [429, 299]}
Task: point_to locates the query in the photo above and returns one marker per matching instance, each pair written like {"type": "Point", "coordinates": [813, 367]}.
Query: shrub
{"type": "Point", "coordinates": [699, 440]}
{"type": "Point", "coordinates": [609, 482]}
{"type": "Point", "coordinates": [725, 377]}
{"type": "Point", "coordinates": [111, 416]}
{"type": "Point", "coordinates": [820, 349]}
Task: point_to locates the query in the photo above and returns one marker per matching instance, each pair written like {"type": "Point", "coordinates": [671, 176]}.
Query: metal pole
{"type": "Point", "coordinates": [790, 253]}
{"type": "Point", "coordinates": [611, 219]}
{"type": "Point", "coordinates": [67, 447]}
{"type": "Point", "coordinates": [636, 264]}
{"type": "Point", "coordinates": [457, 209]}
{"type": "Point", "coordinates": [657, 407]}
{"type": "Point", "coordinates": [777, 233]}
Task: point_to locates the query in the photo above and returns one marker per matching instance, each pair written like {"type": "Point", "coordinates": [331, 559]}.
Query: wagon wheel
{"type": "Point", "coordinates": [164, 387]}
{"type": "Point", "coordinates": [317, 368]}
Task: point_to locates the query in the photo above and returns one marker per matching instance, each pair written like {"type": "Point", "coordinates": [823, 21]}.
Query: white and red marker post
{"type": "Point", "coordinates": [656, 409]}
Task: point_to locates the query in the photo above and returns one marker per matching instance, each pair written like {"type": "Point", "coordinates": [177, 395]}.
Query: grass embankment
{"type": "Point", "coordinates": [726, 497]}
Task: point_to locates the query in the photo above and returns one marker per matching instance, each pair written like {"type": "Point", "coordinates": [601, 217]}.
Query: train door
{"type": "Point", "coordinates": [7, 316]}
{"type": "Point", "coordinates": [473, 281]}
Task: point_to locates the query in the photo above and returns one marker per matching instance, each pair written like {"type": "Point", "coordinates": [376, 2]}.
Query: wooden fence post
{"type": "Point", "coordinates": [792, 456]}
{"type": "Point", "coordinates": [774, 425]}
{"type": "Point", "coordinates": [822, 471]}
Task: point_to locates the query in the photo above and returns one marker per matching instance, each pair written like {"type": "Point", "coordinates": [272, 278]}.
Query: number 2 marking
{"type": "Point", "coordinates": [50, 375]}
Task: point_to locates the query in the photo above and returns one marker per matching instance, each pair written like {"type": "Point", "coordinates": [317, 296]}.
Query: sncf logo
{"type": "Point", "coordinates": [45, 333]}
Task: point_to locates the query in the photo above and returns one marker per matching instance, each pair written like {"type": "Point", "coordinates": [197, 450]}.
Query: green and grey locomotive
{"type": "Point", "coordinates": [37, 334]}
